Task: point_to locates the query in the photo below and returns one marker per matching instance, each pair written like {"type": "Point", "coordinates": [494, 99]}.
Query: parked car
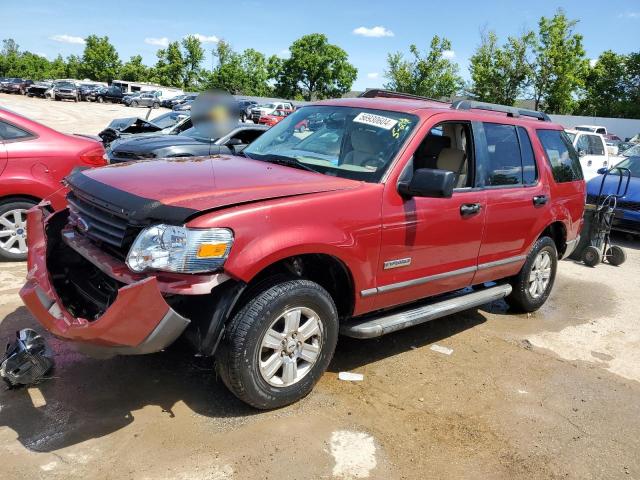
{"type": "Point", "coordinates": [144, 99]}
{"type": "Point", "coordinates": [167, 123]}
{"type": "Point", "coordinates": [592, 150]}
{"type": "Point", "coordinates": [244, 107]}
{"type": "Point", "coordinates": [191, 142]}
{"type": "Point", "coordinates": [172, 102]}
{"type": "Point", "coordinates": [380, 220]}
{"type": "Point", "coordinates": [65, 91]}
{"type": "Point", "coordinates": [268, 108]}
{"type": "Point", "coordinates": [87, 90]}
{"type": "Point", "coordinates": [183, 106]}
{"type": "Point", "coordinates": [112, 94]}
{"type": "Point", "coordinates": [272, 118]}
{"type": "Point", "coordinates": [627, 218]}
{"type": "Point", "coordinates": [15, 85]}
{"type": "Point", "coordinates": [33, 161]}
{"type": "Point", "coordinates": [39, 89]}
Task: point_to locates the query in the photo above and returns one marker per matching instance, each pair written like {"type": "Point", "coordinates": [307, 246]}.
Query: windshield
{"type": "Point", "coordinates": [167, 119]}
{"type": "Point", "coordinates": [585, 129]}
{"type": "Point", "coordinates": [344, 142]}
{"type": "Point", "coordinates": [632, 152]}
{"type": "Point", "coordinates": [198, 134]}
{"type": "Point", "coordinates": [572, 136]}
{"type": "Point", "coordinates": [65, 85]}
{"type": "Point", "coordinates": [633, 164]}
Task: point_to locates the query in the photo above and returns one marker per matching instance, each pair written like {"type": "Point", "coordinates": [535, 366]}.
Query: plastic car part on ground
{"type": "Point", "coordinates": [27, 360]}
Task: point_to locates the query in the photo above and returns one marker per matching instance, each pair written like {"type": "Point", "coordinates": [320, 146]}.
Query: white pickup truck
{"type": "Point", "coordinates": [592, 150]}
{"type": "Point", "coordinates": [269, 108]}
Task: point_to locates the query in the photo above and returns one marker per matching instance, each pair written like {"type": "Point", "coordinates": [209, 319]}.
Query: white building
{"type": "Point", "coordinates": [132, 87]}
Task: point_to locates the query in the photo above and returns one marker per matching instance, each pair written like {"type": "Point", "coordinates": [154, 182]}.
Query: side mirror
{"type": "Point", "coordinates": [427, 182]}
{"type": "Point", "coordinates": [602, 171]}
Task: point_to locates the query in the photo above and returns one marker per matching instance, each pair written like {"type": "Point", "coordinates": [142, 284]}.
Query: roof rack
{"type": "Point", "coordinates": [382, 93]}
{"type": "Point", "coordinates": [492, 107]}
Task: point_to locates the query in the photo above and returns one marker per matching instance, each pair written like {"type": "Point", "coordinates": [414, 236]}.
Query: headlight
{"type": "Point", "coordinates": [180, 249]}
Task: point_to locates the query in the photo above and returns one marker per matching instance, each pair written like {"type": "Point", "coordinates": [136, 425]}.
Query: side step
{"type": "Point", "coordinates": [381, 325]}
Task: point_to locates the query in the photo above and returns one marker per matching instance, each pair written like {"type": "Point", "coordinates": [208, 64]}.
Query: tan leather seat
{"type": "Point", "coordinates": [367, 146]}
{"type": "Point", "coordinates": [453, 160]}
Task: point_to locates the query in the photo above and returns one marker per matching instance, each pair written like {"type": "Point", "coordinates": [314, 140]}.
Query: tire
{"type": "Point", "coordinates": [616, 255]}
{"type": "Point", "coordinates": [263, 376]}
{"type": "Point", "coordinates": [56, 98]}
{"type": "Point", "coordinates": [523, 297]}
{"type": "Point", "coordinates": [9, 210]}
{"type": "Point", "coordinates": [100, 99]}
{"type": "Point", "coordinates": [591, 256]}
{"type": "Point", "coordinates": [156, 105]}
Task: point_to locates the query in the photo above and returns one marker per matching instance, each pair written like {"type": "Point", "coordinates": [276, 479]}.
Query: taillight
{"type": "Point", "coordinates": [94, 156]}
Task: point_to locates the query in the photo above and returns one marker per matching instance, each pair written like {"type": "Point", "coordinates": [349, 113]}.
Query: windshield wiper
{"type": "Point", "coordinates": [284, 160]}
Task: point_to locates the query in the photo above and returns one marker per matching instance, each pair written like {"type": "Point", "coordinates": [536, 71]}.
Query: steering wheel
{"type": "Point", "coordinates": [373, 162]}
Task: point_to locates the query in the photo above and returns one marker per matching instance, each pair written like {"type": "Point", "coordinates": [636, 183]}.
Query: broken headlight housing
{"type": "Point", "coordinates": [180, 249]}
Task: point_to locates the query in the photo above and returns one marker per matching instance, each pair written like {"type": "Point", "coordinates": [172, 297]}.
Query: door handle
{"type": "Point", "coordinates": [467, 209]}
{"type": "Point", "coordinates": [540, 200]}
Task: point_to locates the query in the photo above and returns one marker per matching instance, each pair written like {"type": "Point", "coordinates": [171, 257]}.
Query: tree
{"type": "Point", "coordinates": [560, 64]}
{"type": "Point", "coordinates": [134, 70]}
{"type": "Point", "coordinates": [631, 108]}
{"type": "Point", "coordinates": [315, 69]}
{"type": "Point", "coordinates": [605, 86]}
{"type": "Point", "coordinates": [432, 75]}
{"type": "Point", "coordinates": [193, 57]}
{"type": "Point", "coordinates": [256, 73]}
{"type": "Point", "coordinates": [169, 69]}
{"type": "Point", "coordinates": [9, 57]}
{"type": "Point", "coordinates": [74, 68]}
{"type": "Point", "coordinates": [500, 73]}
{"type": "Point", "coordinates": [227, 74]}
{"type": "Point", "coordinates": [57, 68]}
{"type": "Point", "coordinates": [100, 59]}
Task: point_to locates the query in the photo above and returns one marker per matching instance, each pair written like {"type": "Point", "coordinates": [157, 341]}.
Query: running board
{"type": "Point", "coordinates": [381, 325]}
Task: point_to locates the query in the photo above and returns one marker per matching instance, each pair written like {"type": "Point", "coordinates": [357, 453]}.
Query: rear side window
{"type": "Point", "coordinates": [529, 170]}
{"type": "Point", "coordinates": [503, 148]}
{"type": "Point", "coordinates": [595, 145]}
{"type": "Point", "coordinates": [11, 132]}
{"type": "Point", "coordinates": [563, 158]}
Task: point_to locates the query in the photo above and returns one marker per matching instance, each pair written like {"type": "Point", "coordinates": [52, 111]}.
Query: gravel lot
{"type": "Point", "coordinates": [549, 395]}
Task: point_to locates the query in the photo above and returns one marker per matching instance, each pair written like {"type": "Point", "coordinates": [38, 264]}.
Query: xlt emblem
{"type": "Point", "coordinates": [400, 262]}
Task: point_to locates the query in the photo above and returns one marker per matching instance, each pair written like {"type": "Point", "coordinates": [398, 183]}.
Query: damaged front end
{"type": "Point", "coordinates": [84, 293]}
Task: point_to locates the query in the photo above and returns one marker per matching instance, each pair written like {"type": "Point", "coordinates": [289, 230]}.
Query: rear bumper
{"type": "Point", "coordinates": [138, 321]}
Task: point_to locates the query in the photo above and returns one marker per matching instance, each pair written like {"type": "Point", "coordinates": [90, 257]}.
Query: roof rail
{"type": "Point", "coordinates": [493, 107]}
{"type": "Point", "coordinates": [382, 93]}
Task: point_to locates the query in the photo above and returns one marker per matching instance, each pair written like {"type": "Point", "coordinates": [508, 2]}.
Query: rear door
{"type": "Point", "coordinates": [517, 201]}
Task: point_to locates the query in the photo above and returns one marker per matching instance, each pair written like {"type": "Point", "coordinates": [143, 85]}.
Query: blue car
{"type": "Point", "coordinates": [628, 209]}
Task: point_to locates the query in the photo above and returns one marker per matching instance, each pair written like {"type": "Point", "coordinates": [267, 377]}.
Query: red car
{"type": "Point", "coordinates": [381, 218]}
{"type": "Point", "coordinates": [33, 161]}
{"type": "Point", "coordinates": [271, 119]}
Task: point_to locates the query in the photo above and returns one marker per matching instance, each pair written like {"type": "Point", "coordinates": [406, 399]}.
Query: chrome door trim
{"type": "Point", "coordinates": [499, 263]}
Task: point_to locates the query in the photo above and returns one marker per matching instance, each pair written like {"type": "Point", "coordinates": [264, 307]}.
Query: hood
{"type": "Point", "coordinates": [173, 190]}
{"type": "Point", "coordinates": [611, 187]}
{"type": "Point", "coordinates": [133, 125]}
{"type": "Point", "coordinates": [149, 143]}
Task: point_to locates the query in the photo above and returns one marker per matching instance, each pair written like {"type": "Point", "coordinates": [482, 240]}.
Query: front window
{"type": "Point", "coordinates": [632, 152]}
{"type": "Point", "coordinates": [346, 142]}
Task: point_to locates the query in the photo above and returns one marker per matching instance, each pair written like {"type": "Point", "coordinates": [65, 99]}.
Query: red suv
{"type": "Point", "coordinates": [380, 218]}
{"type": "Point", "coordinates": [33, 161]}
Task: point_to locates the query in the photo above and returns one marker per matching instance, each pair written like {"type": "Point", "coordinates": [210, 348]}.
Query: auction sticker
{"type": "Point", "coordinates": [375, 120]}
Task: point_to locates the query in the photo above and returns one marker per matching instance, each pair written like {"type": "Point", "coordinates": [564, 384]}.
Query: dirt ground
{"type": "Point", "coordinates": [545, 396]}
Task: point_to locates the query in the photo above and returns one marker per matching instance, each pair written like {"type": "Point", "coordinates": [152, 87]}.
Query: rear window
{"type": "Point", "coordinates": [563, 158]}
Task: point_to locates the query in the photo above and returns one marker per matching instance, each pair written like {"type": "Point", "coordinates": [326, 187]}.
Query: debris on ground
{"type": "Point", "coordinates": [27, 360]}
{"type": "Point", "coordinates": [441, 349]}
{"type": "Point", "coordinates": [350, 376]}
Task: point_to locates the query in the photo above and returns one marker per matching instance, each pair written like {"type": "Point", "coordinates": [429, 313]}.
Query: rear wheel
{"type": "Point", "coordinates": [591, 256]}
{"type": "Point", "coordinates": [13, 229]}
{"type": "Point", "coordinates": [100, 99]}
{"type": "Point", "coordinates": [156, 105]}
{"type": "Point", "coordinates": [532, 286]}
{"type": "Point", "coordinates": [279, 344]}
{"type": "Point", "coordinates": [616, 255]}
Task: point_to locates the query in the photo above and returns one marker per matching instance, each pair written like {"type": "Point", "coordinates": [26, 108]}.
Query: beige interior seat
{"type": "Point", "coordinates": [367, 145]}
{"type": "Point", "coordinates": [453, 160]}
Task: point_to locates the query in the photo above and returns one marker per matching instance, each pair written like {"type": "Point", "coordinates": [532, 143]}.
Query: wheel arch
{"type": "Point", "coordinates": [557, 231]}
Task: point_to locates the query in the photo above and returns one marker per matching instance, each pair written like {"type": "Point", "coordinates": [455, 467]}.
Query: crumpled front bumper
{"type": "Point", "coordinates": [138, 321]}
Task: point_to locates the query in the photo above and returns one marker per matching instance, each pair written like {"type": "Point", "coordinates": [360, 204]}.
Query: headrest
{"type": "Point", "coordinates": [366, 140]}
{"type": "Point", "coordinates": [432, 145]}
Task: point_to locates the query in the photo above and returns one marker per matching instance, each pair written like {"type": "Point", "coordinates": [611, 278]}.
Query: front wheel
{"type": "Point", "coordinates": [533, 284]}
{"type": "Point", "coordinates": [279, 344]}
{"type": "Point", "coordinates": [13, 229]}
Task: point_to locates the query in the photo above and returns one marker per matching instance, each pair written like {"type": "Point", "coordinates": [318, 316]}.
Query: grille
{"type": "Point", "coordinates": [101, 226]}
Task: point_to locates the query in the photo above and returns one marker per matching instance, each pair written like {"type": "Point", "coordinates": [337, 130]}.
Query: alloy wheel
{"type": "Point", "coordinates": [290, 347]}
{"type": "Point", "coordinates": [13, 231]}
{"type": "Point", "coordinates": [540, 274]}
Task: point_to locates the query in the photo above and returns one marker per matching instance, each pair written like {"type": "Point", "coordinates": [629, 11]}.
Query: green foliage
{"type": "Point", "coordinates": [315, 69]}
{"type": "Point", "coordinates": [560, 65]}
{"type": "Point", "coordinates": [499, 74]}
{"type": "Point", "coordinates": [170, 67]}
{"type": "Point", "coordinates": [100, 60]}
{"type": "Point", "coordinates": [193, 55]}
{"type": "Point", "coordinates": [605, 86]}
{"type": "Point", "coordinates": [134, 70]}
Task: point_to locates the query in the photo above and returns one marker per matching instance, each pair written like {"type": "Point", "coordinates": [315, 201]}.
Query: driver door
{"type": "Point", "coordinates": [430, 245]}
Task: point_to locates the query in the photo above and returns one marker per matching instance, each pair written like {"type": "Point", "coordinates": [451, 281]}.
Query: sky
{"type": "Point", "coordinates": [367, 30]}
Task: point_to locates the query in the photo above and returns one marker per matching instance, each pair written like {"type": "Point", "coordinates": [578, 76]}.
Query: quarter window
{"type": "Point", "coordinates": [529, 170]}
{"type": "Point", "coordinates": [11, 132]}
{"type": "Point", "coordinates": [563, 158]}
